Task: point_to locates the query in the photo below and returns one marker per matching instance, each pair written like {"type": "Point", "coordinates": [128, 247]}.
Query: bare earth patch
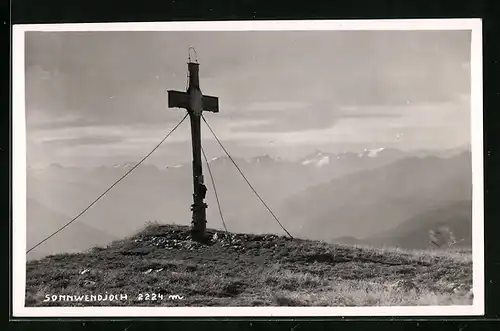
{"type": "Point", "coordinates": [161, 266]}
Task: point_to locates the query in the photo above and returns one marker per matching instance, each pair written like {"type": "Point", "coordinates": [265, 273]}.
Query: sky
{"type": "Point", "coordinates": [95, 98]}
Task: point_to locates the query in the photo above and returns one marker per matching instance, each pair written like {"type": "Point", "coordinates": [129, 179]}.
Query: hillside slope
{"type": "Point", "coordinates": [452, 218]}
{"type": "Point", "coordinates": [248, 270]}
{"type": "Point", "coordinates": [42, 221]}
{"type": "Point", "coordinates": [369, 202]}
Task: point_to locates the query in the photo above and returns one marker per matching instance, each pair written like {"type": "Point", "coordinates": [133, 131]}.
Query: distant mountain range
{"type": "Point", "coordinates": [321, 159]}
{"type": "Point", "coordinates": [381, 200]}
{"type": "Point", "coordinates": [321, 196]}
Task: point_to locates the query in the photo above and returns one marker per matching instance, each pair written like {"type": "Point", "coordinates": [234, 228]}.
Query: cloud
{"type": "Point", "coordinates": [127, 134]}
{"type": "Point", "coordinates": [57, 123]}
{"type": "Point", "coordinates": [303, 117]}
{"type": "Point", "coordinates": [287, 87]}
{"type": "Point", "coordinates": [275, 106]}
{"type": "Point", "coordinates": [121, 77]}
{"type": "Point", "coordinates": [247, 124]}
{"type": "Point", "coordinates": [83, 141]}
{"type": "Point", "coordinates": [427, 124]}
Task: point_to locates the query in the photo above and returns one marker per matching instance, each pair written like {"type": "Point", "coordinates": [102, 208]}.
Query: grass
{"type": "Point", "coordinates": [249, 270]}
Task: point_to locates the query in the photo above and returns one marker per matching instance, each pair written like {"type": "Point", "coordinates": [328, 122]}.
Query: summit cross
{"type": "Point", "coordinates": [195, 103]}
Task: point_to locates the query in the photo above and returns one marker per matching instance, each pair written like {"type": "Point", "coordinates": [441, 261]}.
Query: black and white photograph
{"type": "Point", "coordinates": [248, 168]}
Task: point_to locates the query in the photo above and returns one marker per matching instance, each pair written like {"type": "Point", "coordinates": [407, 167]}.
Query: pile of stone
{"type": "Point", "coordinates": [237, 241]}
{"type": "Point", "coordinates": [175, 239]}
{"type": "Point", "coordinates": [171, 240]}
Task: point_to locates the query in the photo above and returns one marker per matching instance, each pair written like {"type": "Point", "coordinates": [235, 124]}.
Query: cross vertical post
{"type": "Point", "coordinates": [195, 102]}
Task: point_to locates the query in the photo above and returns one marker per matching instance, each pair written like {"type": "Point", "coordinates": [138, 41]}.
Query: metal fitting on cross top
{"type": "Point", "coordinates": [191, 48]}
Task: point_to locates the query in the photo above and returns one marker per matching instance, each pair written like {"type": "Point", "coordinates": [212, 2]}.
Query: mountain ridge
{"type": "Point", "coordinates": [315, 153]}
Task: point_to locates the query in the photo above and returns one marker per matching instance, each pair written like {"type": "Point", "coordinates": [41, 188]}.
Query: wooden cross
{"type": "Point", "coordinates": [195, 103]}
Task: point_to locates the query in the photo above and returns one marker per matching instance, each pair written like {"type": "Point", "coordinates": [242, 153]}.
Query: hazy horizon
{"type": "Point", "coordinates": [97, 98]}
{"type": "Point", "coordinates": [409, 153]}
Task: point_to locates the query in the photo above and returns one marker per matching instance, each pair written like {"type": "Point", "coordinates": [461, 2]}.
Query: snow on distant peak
{"type": "Point", "coordinates": [323, 161]}
{"type": "Point", "coordinates": [265, 158]}
{"type": "Point", "coordinates": [261, 159]}
{"type": "Point", "coordinates": [123, 165]}
{"type": "Point", "coordinates": [374, 152]}
{"type": "Point", "coordinates": [371, 152]}
{"type": "Point", "coordinates": [318, 159]}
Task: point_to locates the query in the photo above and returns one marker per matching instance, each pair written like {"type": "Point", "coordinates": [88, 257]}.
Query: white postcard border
{"type": "Point", "coordinates": [19, 171]}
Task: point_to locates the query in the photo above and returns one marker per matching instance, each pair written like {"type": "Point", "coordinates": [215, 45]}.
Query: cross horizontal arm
{"type": "Point", "coordinates": [211, 103]}
{"type": "Point", "coordinates": [178, 99]}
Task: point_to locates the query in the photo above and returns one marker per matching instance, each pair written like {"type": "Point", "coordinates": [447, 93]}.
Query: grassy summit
{"type": "Point", "coordinates": [162, 266]}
